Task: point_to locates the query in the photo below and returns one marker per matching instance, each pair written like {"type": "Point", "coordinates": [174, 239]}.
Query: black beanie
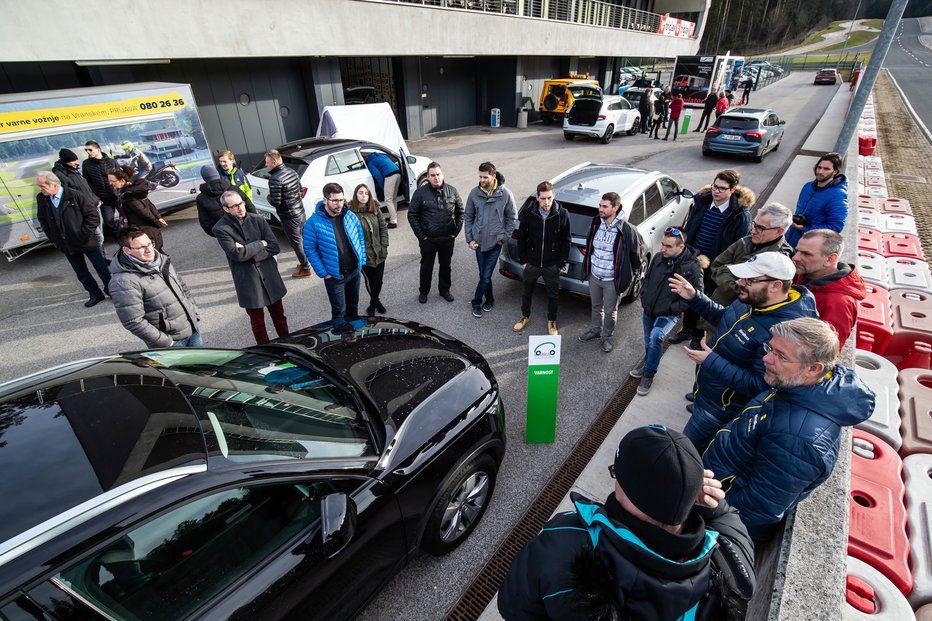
{"type": "Point", "coordinates": [67, 155]}
{"type": "Point", "coordinates": [209, 173]}
{"type": "Point", "coordinates": [660, 472]}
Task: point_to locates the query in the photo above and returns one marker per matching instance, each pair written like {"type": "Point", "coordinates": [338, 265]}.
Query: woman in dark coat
{"type": "Point", "coordinates": [134, 205]}
{"type": "Point", "coordinates": [375, 230]}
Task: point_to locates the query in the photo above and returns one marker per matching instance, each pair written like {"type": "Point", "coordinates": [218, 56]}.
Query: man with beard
{"type": "Point", "coordinates": [731, 371]}
{"type": "Point", "coordinates": [823, 202]}
{"type": "Point", "coordinates": [94, 170]}
{"type": "Point", "coordinates": [785, 442]}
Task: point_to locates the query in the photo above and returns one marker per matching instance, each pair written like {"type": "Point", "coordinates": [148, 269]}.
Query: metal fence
{"type": "Point", "coordinates": [586, 12]}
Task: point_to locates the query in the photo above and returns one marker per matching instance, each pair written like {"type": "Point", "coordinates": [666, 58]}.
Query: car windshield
{"type": "Point", "coordinates": [731, 122]}
{"type": "Point", "coordinates": [585, 91]}
{"type": "Point", "coordinates": [295, 164]}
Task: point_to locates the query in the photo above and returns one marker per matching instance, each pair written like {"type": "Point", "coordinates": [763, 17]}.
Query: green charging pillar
{"type": "Point", "coordinates": [543, 383]}
{"type": "Point", "coordinates": [684, 122]}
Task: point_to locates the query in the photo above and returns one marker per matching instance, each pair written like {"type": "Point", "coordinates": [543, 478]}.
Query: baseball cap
{"type": "Point", "coordinates": [771, 264]}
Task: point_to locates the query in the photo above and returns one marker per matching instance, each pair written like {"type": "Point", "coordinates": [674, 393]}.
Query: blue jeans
{"type": "Point", "coordinates": [703, 425]}
{"type": "Point", "coordinates": [487, 260]}
{"type": "Point", "coordinates": [344, 296]}
{"type": "Point", "coordinates": [79, 265]}
{"type": "Point", "coordinates": [194, 340]}
{"type": "Point", "coordinates": [655, 330]}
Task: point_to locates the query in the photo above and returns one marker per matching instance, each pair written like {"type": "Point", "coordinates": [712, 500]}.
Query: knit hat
{"type": "Point", "coordinates": [659, 471]}
{"type": "Point", "coordinates": [209, 173]}
{"type": "Point", "coordinates": [770, 264]}
{"type": "Point", "coordinates": [67, 155]}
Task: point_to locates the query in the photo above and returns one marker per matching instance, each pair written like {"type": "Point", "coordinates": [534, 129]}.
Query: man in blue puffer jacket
{"type": "Point", "coordinates": [730, 368]}
{"type": "Point", "coordinates": [785, 442]}
{"type": "Point", "coordinates": [336, 248]}
{"type": "Point", "coordinates": [823, 202]}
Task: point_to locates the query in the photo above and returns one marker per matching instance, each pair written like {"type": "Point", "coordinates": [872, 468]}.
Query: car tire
{"type": "Point", "coordinates": [422, 181]}
{"type": "Point", "coordinates": [460, 506]}
{"type": "Point", "coordinates": [777, 146]}
{"type": "Point", "coordinates": [759, 158]}
{"type": "Point", "coordinates": [568, 136]}
{"type": "Point", "coordinates": [706, 153]}
{"type": "Point", "coordinates": [609, 134]}
{"type": "Point", "coordinates": [551, 102]}
{"type": "Point", "coordinates": [635, 126]}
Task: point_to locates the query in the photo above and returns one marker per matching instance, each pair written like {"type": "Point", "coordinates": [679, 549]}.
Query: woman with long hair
{"type": "Point", "coordinates": [366, 208]}
{"type": "Point", "coordinates": [134, 205]}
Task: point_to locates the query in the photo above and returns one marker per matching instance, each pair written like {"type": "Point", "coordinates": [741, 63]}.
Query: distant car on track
{"type": "Point", "coordinates": [827, 76]}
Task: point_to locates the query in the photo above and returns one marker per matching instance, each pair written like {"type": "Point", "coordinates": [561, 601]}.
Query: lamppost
{"type": "Point", "coordinates": [848, 36]}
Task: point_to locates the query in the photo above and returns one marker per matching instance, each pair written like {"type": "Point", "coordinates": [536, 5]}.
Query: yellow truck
{"type": "Point", "coordinates": [558, 95]}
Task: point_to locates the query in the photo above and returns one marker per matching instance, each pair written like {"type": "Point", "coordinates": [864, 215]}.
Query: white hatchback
{"type": "Point", "coordinates": [601, 118]}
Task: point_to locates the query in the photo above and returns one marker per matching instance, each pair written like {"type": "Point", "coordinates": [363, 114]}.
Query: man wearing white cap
{"type": "Point", "coordinates": [730, 368]}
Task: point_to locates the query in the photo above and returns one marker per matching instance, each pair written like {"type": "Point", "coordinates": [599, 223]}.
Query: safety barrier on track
{"type": "Point", "coordinates": [874, 326]}
{"type": "Point", "coordinates": [907, 273]}
{"type": "Point", "coordinates": [869, 596]}
{"type": "Point", "coordinates": [911, 321]}
{"type": "Point", "coordinates": [870, 239]}
{"type": "Point", "coordinates": [880, 376]}
{"type": "Point", "coordinates": [915, 410]}
{"type": "Point", "coordinates": [917, 470]}
{"type": "Point", "coordinates": [898, 223]}
{"type": "Point", "coordinates": [870, 218]}
{"type": "Point", "coordinates": [900, 245]}
{"type": "Point", "coordinates": [873, 267]}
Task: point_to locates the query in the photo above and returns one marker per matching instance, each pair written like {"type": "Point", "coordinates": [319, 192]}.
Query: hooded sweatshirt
{"type": "Point", "coordinates": [490, 217]}
{"type": "Point", "coordinates": [837, 296]}
{"type": "Point", "coordinates": [824, 208]}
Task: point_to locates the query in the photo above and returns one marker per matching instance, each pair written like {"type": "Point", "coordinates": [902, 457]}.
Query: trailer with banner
{"type": "Point", "coordinates": [694, 76]}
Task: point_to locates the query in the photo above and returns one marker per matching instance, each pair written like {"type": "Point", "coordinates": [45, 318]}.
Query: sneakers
{"type": "Point", "coordinates": [422, 298]}
{"type": "Point", "coordinates": [393, 225]}
{"type": "Point", "coordinates": [680, 337]}
{"type": "Point", "coordinates": [302, 273]}
{"type": "Point", "coordinates": [695, 344]}
{"type": "Point", "coordinates": [689, 408]}
{"type": "Point", "coordinates": [589, 335]}
{"type": "Point", "coordinates": [488, 306]}
{"type": "Point", "coordinates": [476, 311]}
{"type": "Point", "coordinates": [638, 371]}
{"type": "Point", "coordinates": [690, 397]}
{"type": "Point", "coordinates": [446, 295]}
{"type": "Point", "coordinates": [522, 324]}
{"type": "Point", "coordinates": [607, 344]}
{"type": "Point", "coordinates": [644, 386]}
{"type": "Point", "coordinates": [552, 328]}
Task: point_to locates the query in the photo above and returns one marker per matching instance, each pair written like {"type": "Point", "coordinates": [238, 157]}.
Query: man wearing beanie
{"type": "Point", "coordinates": [209, 208]}
{"type": "Point", "coordinates": [67, 168]}
{"type": "Point", "coordinates": [648, 552]}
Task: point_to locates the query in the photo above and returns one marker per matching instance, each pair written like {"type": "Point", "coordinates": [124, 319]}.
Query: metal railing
{"type": "Point", "coordinates": [586, 12]}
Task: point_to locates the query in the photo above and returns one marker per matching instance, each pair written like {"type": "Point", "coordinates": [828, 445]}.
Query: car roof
{"type": "Point", "coordinates": [751, 112]}
{"type": "Point", "coordinates": [311, 148]}
{"type": "Point", "coordinates": [585, 184]}
{"type": "Point", "coordinates": [828, 70]}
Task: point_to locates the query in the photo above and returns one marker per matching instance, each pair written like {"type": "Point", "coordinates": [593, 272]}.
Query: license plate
{"type": "Point", "coordinates": [730, 137]}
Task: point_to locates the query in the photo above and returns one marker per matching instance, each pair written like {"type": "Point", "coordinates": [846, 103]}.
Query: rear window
{"type": "Point", "coordinates": [731, 122]}
{"type": "Point", "coordinates": [585, 91]}
{"type": "Point", "coordinates": [295, 164]}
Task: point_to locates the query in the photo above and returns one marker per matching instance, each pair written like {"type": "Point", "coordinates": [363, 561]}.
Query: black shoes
{"type": "Point", "coordinates": [94, 302]}
{"type": "Point", "coordinates": [393, 225]}
{"type": "Point", "coordinates": [689, 396]}
{"type": "Point", "coordinates": [680, 337]}
{"type": "Point", "coordinates": [689, 408]}
{"type": "Point", "coordinates": [378, 306]}
{"type": "Point", "coordinates": [446, 295]}
{"type": "Point", "coordinates": [422, 298]}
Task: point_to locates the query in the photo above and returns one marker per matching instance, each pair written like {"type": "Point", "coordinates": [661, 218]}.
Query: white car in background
{"type": "Point", "coordinates": [601, 118]}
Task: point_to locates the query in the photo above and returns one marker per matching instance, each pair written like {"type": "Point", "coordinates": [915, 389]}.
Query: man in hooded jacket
{"type": "Point", "coordinates": [209, 207]}
{"type": "Point", "coordinates": [823, 202]}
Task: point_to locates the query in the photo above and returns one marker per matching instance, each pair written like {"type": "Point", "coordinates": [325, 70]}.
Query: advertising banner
{"type": "Point", "coordinates": [543, 382]}
{"type": "Point", "coordinates": [673, 27]}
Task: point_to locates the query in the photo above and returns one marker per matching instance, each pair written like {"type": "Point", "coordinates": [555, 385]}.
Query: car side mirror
{"type": "Point", "coordinates": [411, 159]}
{"type": "Point", "coordinates": [338, 522]}
{"type": "Point", "coordinates": [686, 193]}
{"type": "Point", "coordinates": [782, 123]}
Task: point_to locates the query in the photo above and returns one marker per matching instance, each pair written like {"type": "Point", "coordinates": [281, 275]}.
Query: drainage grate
{"type": "Point", "coordinates": [901, 177]}
{"type": "Point", "coordinates": [484, 586]}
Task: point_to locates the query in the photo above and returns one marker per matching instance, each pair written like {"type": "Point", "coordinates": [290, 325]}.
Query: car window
{"type": "Point", "coordinates": [176, 563]}
{"type": "Point", "coordinates": [653, 200]}
{"type": "Point", "coordinates": [733, 122]}
{"type": "Point", "coordinates": [343, 162]}
{"type": "Point", "coordinates": [670, 189]}
{"type": "Point", "coordinates": [256, 407]}
{"type": "Point", "coordinates": [624, 104]}
{"type": "Point", "coordinates": [637, 211]}
{"type": "Point", "coordinates": [295, 164]}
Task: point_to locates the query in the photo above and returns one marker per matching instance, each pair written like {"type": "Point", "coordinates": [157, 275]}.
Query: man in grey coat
{"type": "Point", "coordinates": [490, 219]}
{"type": "Point", "coordinates": [250, 246]}
{"type": "Point", "coordinates": [150, 298]}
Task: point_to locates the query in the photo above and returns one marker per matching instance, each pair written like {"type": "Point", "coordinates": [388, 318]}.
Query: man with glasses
{"type": "Point", "coordinates": [823, 202]}
{"type": "Point", "coordinates": [662, 307]}
{"type": "Point", "coordinates": [730, 367]}
{"type": "Point", "coordinates": [150, 298]}
{"type": "Point", "coordinates": [436, 215]}
{"type": "Point", "coordinates": [718, 218]}
{"type": "Point", "coordinates": [94, 170]}
{"type": "Point", "coordinates": [785, 442]}
{"type": "Point", "coordinates": [285, 195]}
{"type": "Point", "coordinates": [336, 247]}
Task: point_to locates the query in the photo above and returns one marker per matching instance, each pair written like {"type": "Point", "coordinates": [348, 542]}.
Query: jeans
{"type": "Point", "coordinates": [257, 322]}
{"type": "Point", "coordinates": [97, 259]}
{"type": "Point", "coordinates": [391, 196]}
{"type": "Point", "coordinates": [655, 330]}
{"type": "Point", "coordinates": [373, 277]}
{"type": "Point", "coordinates": [344, 296]}
{"type": "Point", "coordinates": [604, 305]}
{"type": "Point", "coordinates": [110, 218]}
{"type": "Point", "coordinates": [194, 340]}
{"type": "Point", "coordinates": [294, 231]}
{"type": "Point", "coordinates": [442, 249]}
{"type": "Point", "coordinates": [551, 275]}
{"type": "Point", "coordinates": [674, 124]}
{"type": "Point", "coordinates": [702, 426]}
{"type": "Point", "coordinates": [486, 260]}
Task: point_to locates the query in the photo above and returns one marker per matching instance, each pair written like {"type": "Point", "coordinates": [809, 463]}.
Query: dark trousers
{"type": "Point", "coordinates": [486, 260]}
{"type": "Point", "coordinates": [645, 122]}
{"type": "Point", "coordinates": [551, 277]}
{"type": "Point", "coordinates": [344, 296]}
{"type": "Point", "coordinates": [97, 259]}
{"type": "Point", "coordinates": [257, 322]}
{"type": "Point", "coordinates": [294, 231]}
{"type": "Point", "coordinates": [705, 118]}
{"type": "Point", "coordinates": [373, 276]}
{"type": "Point", "coordinates": [110, 218]}
{"type": "Point", "coordinates": [655, 131]}
{"type": "Point", "coordinates": [674, 124]}
{"type": "Point", "coordinates": [442, 249]}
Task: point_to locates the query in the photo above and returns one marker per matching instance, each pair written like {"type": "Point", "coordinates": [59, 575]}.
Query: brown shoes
{"type": "Point", "coordinates": [522, 324]}
{"type": "Point", "coordinates": [302, 273]}
{"type": "Point", "coordinates": [552, 328]}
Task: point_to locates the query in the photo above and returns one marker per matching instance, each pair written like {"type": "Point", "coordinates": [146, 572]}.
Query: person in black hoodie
{"type": "Point", "coordinates": [94, 170]}
{"type": "Point", "coordinates": [663, 546]}
{"type": "Point", "coordinates": [209, 208]}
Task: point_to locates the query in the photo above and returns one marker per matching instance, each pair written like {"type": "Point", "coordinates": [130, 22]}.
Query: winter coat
{"type": "Point", "coordinates": [152, 302]}
{"type": "Point", "coordinates": [711, 101]}
{"type": "Point", "coordinates": [435, 212]}
{"type": "Point", "coordinates": [72, 179]}
{"type": "Point", "coordinates": [656, 297]}
{"type": "Point", "coordinates": [626, 253]}
{"type": "Point", "coordinates": [676, 108]}
{"type": "Point", "coordinates": [726, 289]}
{"type": "Point", "coordinates": [825, 208]}
{"type": "Point", "coordinates": [254, 266]}
{"type": "Point", "coordinates": [734, 372]}
{"type": "Point", "coordinates": [73, 227]}
{"type": "Point", "coordinates": [237, 179]}
{"type": "Point", "coordinates": [136, 208]}
{"type": "Point", "coordinates": [489, 218]}
{"type": "Point", "coordinates": [721, 106]}
{"type": "Point", "coordinates": [543, 242]}
{"type": "Point", "coordinates": [784, 444]}
{"type": "Point", "coordinates": [737, 222]}
{"type": "Point", "coordinates": [658, 109]}
{"type": "Point", "coordinates": [95, 172]}
{"type": "Point", "coordinates": [209, 209]}
{"type": "Point", "coordinates": [375, 230]}
{"type": "Point", "coordinates": [320, 244]}
{"type": "Point", "coordinates": [836, 297]}
{"type": "Point", "coordinates": [381, 166]}
{"type": "Point", "coordinates": [285, 193]}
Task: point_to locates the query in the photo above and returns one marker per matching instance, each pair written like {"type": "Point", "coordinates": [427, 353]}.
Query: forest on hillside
{"type": "Point", "coordinates": [758, 26]}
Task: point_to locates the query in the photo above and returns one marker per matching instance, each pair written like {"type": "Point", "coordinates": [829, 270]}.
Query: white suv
{"type": "Point", "coordinates": [601, 118]}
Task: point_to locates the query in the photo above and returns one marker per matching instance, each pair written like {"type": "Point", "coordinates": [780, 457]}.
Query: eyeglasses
{"type": "Point", "coordinates": [148, 246]}
{"type": "Point", "coordinates": [235, 205]}
{"type": "Point", "coordinates": [337, 201]}
{"type": "Point", "coordinates": [89, 150]}
{"type": "Point", "coordinates": [768, 349]}
{"type": "Point", "coordinates": [672, 230]}
{"type": "Point", "coordinates": [718, 188]}
{"type": "Point", "coordinates": [760, 229]}
{"type": "Point", "coordinates": [752, 281]}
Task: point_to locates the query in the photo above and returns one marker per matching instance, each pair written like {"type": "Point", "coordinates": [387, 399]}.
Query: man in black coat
{"type": "Point", "coordinates": [70, 220]}
{"type": "Point", "coordinates": [708, 108]}
{"type": "Point", "coordinates": [209, 209]}
{"type": "Point", "coordinates": [94, 170]}
{"type": "Point", "coordinates": [285, 196]}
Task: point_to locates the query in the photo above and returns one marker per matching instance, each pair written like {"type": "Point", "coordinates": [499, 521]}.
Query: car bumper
{"type": "Point", "coordinates": [734, 148]}
{"type": "Point", "coordinates": [596, 131]}
{"type": "Point", "coordinates": [570, 282]}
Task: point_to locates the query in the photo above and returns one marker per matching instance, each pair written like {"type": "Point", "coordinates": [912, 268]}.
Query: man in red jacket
{"type": "Point", "coordinates": [676, 109]}
{"type": "Point", "coordinates": [837, 287]}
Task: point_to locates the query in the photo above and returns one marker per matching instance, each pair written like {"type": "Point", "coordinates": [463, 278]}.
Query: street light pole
{"type": "Point", "coordinates": [848, 36]}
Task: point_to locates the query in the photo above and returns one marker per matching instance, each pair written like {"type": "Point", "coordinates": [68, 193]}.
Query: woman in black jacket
{"type": "Point", "coordinates": [134, 205]}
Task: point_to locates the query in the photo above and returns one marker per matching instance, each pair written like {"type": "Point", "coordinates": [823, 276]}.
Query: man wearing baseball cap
{"type": "Point", "coordinates": [730, 368]}
{"type": "Point", "coordinates": [649, 552]}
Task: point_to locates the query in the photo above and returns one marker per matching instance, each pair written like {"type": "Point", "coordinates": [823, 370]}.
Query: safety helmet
{"type": "Point", "coordinates": [127, 145]}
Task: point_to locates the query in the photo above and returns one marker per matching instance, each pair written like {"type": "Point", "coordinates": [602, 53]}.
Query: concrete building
{"type": "Point", "coordinates": [262, 71]}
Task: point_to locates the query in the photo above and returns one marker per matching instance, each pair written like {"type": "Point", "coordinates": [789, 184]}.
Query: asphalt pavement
{"type": "Point", "coordinates": [909, 63]}
{"type": "Point", "coordinates": [45, 323]}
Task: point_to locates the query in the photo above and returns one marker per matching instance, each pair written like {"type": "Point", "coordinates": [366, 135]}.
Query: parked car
{"type": "Point", "coordinates": [633, 95]}
{"type": "Point", "coordinates": [290, 480]}
{"type": "Point", "coordinates": [745, 131]}
{"type": "Point", "coordinates": [321, 160]}
{"type": "Point", "coordinates": [651, 201]}
{"type": "Point", "coordinates": [558, 95]}
{"type": "Point", "coordinates": [601, 117]}
{"type": "Point", "coordinates": [827, 76]}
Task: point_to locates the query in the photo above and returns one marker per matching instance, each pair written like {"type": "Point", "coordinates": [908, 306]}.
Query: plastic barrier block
{"type": "Point", "coordinates": [870, 240]}
{"type": "Point", "coordinates": [918, 472]}
{"type": "Point", "coordinates": [869, 596]}
{"type": "Point", "coordinates": [873, 267]}
{"type": "Point", "coordinates": [871, 218]}
{"type": "Point", "coordinates": [874, 327]}
{"type": "Point", "coordinates": [878, 191]}
{"type": "Point", "coordinates": [896, 205]}
{"type": "Point", "coordinates": [874, 182]}
{"type": "Point", "coordinates": [880, 376]}
{"type": "Point", "coordinates": [911, 320]}
{"type": "Point", "coordinates": [898, 223]}
{"type": "Point", "coordinates": [898, 245]}
{"type": "Point", "coordinates": [907, 273]}
{"type": "Point", "coordinates": [877, 528]}
{"type": "Point", "coordinates": [919, 357]}
{"type": "Point", "coordinates": [869, 202]}
{"type": "Point", "coordinates": [915, 410]}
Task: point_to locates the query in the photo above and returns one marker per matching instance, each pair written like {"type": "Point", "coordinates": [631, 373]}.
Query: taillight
{"type": "Point", "coordinates": [758, 135]}
{"type": "Point", "coordinates": [303, 191]}
{"type": "Point", "coordinates": [713, 130]}
{"type": "Point", "coordinates": [601, 117]}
